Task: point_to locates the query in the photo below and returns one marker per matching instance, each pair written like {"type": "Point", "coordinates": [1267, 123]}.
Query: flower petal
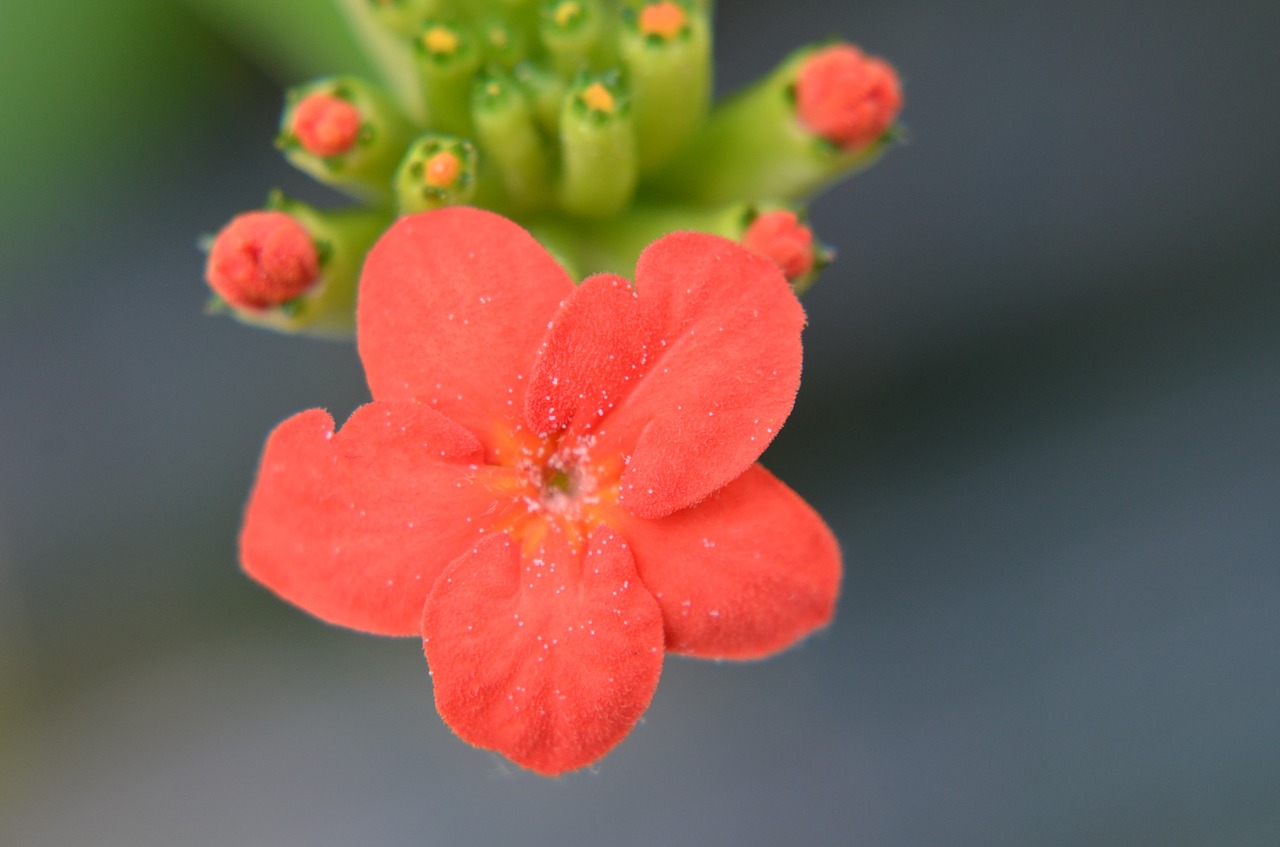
{"type": "Point", "coordinates": [747, 572]}
{"type": "Point", "coordinates": [548, 657]}
{"type": "Point", "coordinates": [453, 304]}
{"type": "Point", "coordinates": [597, 345]}
{"type": "Point", "coordinates": [354, 527]}
{"type": "Point", "coordinates": [722, 381]}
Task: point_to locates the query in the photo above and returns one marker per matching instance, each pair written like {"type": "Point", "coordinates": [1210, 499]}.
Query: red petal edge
{"type": "Point", "coordinates": [548, 658]}
{"type": "Point", "coordinates": [747, 572]}
{"type": "Point", "coordinates": [453, 305]}
{"type": "Point", "coordinates": [354, 527]}
{"type": "Point", "coordinates": [723, 378]}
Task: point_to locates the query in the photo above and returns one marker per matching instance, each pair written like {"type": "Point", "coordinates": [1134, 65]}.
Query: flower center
{"type": "Point", "coordinates": [554, 484]}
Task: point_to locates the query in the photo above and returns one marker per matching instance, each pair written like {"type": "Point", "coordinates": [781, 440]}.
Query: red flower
{"type": "Point", "coordinates": [552, 485]}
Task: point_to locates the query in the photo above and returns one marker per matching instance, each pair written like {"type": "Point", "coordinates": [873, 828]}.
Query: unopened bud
{"type": "Point", "coordinates": [262, 260]}
{"type": "Point", "coordinates": [846, 97]}
{"type": "Point", "coordinates": [438, 170]}
{"type": "Point", "coordinates": [325, 125]}
{"type": "Point", "coordinates": [346, 133]}
{"type": "Point", "coordinates": [780, 237]}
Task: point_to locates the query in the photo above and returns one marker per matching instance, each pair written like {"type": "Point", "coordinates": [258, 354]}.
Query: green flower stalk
{"type": "Point", "coordinates": [589, 122]}
{"type": "Point", "coordinates": [666, 53]}
{"type": "Point", "coordinates": [506, 124]}
{"type": "Point", "coordinates": [578, 35]}
{"type": "Point", "coordinates": [448, 58]}
{"type": "Point", "coordinates": [599, 165]}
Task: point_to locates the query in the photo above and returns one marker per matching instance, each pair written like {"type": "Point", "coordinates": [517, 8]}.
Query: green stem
{"type": "Point", "coordinates": [508, 134]}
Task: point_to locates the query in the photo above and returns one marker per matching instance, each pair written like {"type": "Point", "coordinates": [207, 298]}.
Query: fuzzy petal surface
{"type": "Point", "coordinates": [598, 346]}
{"type": "Point", "coordinates": [747, 572]}
{"type": "Point", "coordinates": [355, 526]}
{"type": "Point", "coordinates": [722, 367]}
{"type": "Point", "coordinates": [547, 655]}
{"type": "Point", "coordinates": [453, 305]}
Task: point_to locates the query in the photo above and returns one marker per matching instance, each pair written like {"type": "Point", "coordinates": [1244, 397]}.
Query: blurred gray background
{"type": "Point", "coordinates": [1040, 410]}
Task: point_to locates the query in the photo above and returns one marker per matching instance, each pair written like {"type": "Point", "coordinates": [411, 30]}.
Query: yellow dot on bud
{"type": "Point", "coordinates": [567, 12]}
{"type": "Point", "coordinates": [441, 40]}
{"type": "Point", "coordinates": [442, 170]}
{"type": "Point", "coordinates": [598, 98]}
{"type": "Point", "coordinates": [665, 19]}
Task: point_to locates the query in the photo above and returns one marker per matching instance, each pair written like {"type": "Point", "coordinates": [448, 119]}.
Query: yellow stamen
{"type": "Point", "coordinates": [598, 98]}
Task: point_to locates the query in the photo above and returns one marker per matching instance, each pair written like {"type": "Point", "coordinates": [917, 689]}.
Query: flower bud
{"type": "Point", "coordinates": [575, 34]}
{"type": "Point", "coordinates": [325, 125]}
{"type": "Point", "coordinates": [448, 56]}
{"type": "Point", "coordinates": [599, 164]}
{"type": "Point", "coordinates": [291, 267]}
{"type": "Point", "coordinates": [507, 131]}
{"type": "Point", "coordinates": [439, 170]}
{"type": "Point", "coordinates": [846, 97]}
{"type": "Point", "coordinates": [262, 260]}
{"type": "Point", "coordinates": [665, 48]}
{"type": "Point", "coordinates": [345, 133]}
{"type": "Point", "coordinates": [782, 238]}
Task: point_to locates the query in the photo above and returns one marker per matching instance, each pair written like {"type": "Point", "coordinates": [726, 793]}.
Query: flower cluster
{"type": "Point", "coordinates": [556, 482]}
{"type": "Point", "coordinates": [589, 122]}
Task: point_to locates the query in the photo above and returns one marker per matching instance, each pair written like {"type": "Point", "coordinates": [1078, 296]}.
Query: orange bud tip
{"type": "Point", "coordinates": [442, 170]}
{"type": "Point", "coordinates": [665, 20]}
{"type": "Point", "coordinates": [598, 98]}
{"type": "Point", "coordinates": [262, 260]}
{"type": "Point", "coordinates": [325, 125]}
{"type": "Point", "coordinates": [846, 97]}
{"type": "Point", "coordinates": [440, 41]}
{"type": "Point", "coordinates": [780, 237]}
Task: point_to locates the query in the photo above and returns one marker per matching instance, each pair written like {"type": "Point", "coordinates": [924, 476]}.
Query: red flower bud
{"type": "Point", "coordinates": [780, 237]}
{"type": "Point", "coordinates": [847, 97]}
{"type": "Point", "coordinates": [261, 260]}
{"type": "Point", "coordinates": [325, 125]}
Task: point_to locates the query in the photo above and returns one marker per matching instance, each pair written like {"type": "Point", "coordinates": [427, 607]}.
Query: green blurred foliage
{"type": "Point", "coordinates": [293, 40]}
{"type": "Point", "coordinates": [95, 94]}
